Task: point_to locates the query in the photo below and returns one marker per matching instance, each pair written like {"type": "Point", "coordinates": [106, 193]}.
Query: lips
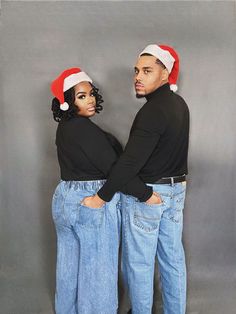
{"type": "Point", "coordinates": [139, 85]}
{"type": "Point", "coordinates": [91, 109]}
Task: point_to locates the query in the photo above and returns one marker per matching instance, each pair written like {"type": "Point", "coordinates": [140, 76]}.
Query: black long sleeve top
{"type": "Point", "coordinates": [85, 152]}
{"type": "Point", "coordinates": [157, 145]}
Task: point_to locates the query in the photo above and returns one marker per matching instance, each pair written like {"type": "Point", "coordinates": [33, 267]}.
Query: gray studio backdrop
{"type": "Point", "coordinates": [38, 40]}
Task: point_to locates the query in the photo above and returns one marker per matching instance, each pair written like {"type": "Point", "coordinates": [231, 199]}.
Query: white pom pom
{"type": "Point", "coordinates": [174, 87]}
{"type": "Point", "coordinates": [64, 106]}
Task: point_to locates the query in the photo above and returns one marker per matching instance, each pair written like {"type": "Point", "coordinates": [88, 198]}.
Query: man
{"type": "Point", "coordinates": [156, 152]}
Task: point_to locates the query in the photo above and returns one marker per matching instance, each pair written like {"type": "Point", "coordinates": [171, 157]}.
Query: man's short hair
{"type": "Point", "coordinates": [157, 60]}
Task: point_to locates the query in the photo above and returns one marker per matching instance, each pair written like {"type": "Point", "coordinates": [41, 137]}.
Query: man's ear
{"type": "Point", "coordinates": [165, 75]}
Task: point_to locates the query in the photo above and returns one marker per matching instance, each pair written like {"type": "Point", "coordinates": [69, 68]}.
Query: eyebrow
{"type": "Point", "coordinates": [81, 93]}
{"type": "Point", "coordinates": [143, 68]}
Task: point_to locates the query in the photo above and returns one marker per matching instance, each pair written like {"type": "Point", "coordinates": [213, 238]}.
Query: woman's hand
{"type": "Point", "coordinates": [93, 201]}
{"type": "Point", "coordinates": [154, 199]}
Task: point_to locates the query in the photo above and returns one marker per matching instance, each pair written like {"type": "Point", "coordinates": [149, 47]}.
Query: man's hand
{"type": "Point", "coordinates": [93, 201]}
{"type": "Point", "coordinates": [154, 199]}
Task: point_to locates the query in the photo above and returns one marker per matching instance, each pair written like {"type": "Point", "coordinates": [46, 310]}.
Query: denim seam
{"type": "Point", "coordinates": [63, 208]}
{"type": "Point", "coordinates": [179, 277]}
{"type": "Point", "coordinates": [126, 242]}
{"type": "Point", "coordinates": [178, 193]}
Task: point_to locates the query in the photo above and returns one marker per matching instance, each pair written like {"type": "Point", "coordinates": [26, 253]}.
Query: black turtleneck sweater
{"type": "Point", "coordinates": [157, 145]}
{"type": "Point", "coordinates": [85, 152]}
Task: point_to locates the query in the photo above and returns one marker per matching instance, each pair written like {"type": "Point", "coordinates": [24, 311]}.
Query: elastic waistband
{"type": "Point", "coordinates": [82, 185]}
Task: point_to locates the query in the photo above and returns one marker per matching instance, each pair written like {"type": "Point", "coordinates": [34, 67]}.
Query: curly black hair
{"type": "Point", "coordinates": [69, 97]}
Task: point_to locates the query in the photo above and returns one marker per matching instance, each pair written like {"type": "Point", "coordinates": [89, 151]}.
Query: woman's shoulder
{"type": "Point", "coordinates": [75, 122]}
{"type": "Point", "coordinates": [81, 126]}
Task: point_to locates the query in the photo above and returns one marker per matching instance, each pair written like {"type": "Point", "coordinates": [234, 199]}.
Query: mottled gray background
{"type": "Point", "coordinates": [38, 40]}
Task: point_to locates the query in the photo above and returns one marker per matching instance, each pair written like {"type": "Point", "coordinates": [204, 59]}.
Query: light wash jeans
{"type": "Point", "coordinates": [87, 250]}
{"type": "Point", "coordinates": [151, 231]}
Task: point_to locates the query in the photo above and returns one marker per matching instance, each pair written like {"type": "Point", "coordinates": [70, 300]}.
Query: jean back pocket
{"type": "Point", "coordinates": [147, 217]}
{"type": "Point", "coordinates": [90, 217]}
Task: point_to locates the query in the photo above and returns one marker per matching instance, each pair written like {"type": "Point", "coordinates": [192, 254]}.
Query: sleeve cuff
{"type": "Point", "coordinates": [104, 196]}
{"type": "Point", "coordinates": [108, 196]}
{"type": "Point", "coordinates": [147, 194]}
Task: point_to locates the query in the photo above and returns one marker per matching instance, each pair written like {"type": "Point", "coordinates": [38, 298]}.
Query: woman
{"type": "Point", "coordinates": [87, 239]}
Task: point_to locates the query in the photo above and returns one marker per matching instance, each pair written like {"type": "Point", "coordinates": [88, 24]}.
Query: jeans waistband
{"type": "Point", "coordinates": [82, 185]}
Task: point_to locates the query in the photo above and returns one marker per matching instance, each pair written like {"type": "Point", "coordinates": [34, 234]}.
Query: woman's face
{"type": "Point", "coordinates": [85, 99]}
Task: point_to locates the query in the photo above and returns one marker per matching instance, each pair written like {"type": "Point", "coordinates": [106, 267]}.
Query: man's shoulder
{"type": "Point", "coordinates": [154, 107]}
{"type": "Point", "coordinates": [180, 101]}
{"type": "Point", "coordinates": [150, 115]}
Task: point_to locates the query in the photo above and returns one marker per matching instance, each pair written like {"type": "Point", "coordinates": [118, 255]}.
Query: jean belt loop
{"type": "Point", "coordinates": [172, 181]}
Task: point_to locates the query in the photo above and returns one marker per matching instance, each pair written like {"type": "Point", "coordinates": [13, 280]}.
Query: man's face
{"type": "Point", "coordinates": [148, 75]}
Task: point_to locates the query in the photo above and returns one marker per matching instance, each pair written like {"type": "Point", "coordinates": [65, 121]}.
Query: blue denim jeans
{"type": "Point", "coordinates": [87, 250]}
{"type": "Point", "coordinates": [149, 232]}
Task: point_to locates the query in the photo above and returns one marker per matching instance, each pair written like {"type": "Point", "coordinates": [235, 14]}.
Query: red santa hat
{"type": "Point", "coordinates": [169, 57]}
{"type": "Point", "coordinates": [65, 81]}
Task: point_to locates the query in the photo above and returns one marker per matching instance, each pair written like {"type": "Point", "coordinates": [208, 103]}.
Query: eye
{"type": "Point", "coordinates": [81, 97]}
{"type": "Point", "coordinates": [93, 94]}
{"type": "Point", "coordinates": [146, 71]}
{"type": "Point", "coordinates": [136, 71]}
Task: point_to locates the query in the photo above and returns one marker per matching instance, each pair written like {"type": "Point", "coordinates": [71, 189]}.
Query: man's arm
{"type": "Point", "coordinates": [149, 125]}
{"type": "Point", "coordinates": [138, 149]}
{"type": "Point", "coordinates": [100, 152]}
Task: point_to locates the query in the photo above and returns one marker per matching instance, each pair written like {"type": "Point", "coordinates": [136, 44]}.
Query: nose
{"type": "Point", "coordinates": [138, 77]}
{"type": "Point", "coordinates": [91, 100]}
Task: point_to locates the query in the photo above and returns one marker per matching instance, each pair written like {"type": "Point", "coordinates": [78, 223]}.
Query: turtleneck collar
{"type": "Point", "coordinates": [159, 91]}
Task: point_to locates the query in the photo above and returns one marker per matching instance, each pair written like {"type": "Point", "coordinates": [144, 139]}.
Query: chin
{"type": "Point", "coordinates": [139, 96]}
{"type": "Point", "coordinates": [91, 114]}
{"type": "Point", "coordinates": [140, 93]}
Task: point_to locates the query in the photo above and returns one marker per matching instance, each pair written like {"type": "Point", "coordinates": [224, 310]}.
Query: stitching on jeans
{"type": "Point", "coordinates": [147, 229]}
{"type": "Point", "coordinates": [63, 208]}
{"type": "Point", "coordinates": [179, 275]}
{"type": "Point", "coordinates": [139, 220]}
{"type": "Point", "coordinates": [183, 191]}
{"type": "Point", "coordinates": [126, 240]}
{"type": "Point", "coordinates": [140, 225]}
{"type": "Point", "coordinates": [146, 218]}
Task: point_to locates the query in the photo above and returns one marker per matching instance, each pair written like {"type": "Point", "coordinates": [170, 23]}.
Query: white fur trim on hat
{"type": "Point", "coordinates": [74, 79]}
{"type": "Point", "coordinates": [64, 106]}
{"type": "Point", "coordinates": [163, 55]}
{"type": "Point", "coordinates": [174, 87]}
